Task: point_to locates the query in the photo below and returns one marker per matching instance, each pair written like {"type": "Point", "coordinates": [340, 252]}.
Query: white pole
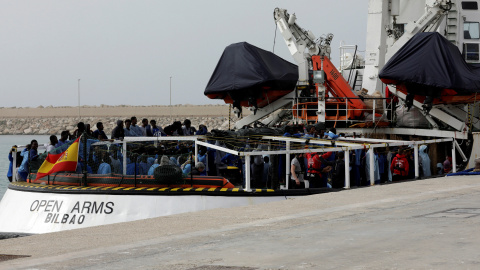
{"type": "Point", "coordinates": [79, 99]}
{"type": "Point", "coordinates": [124, 145]}
{"type": "Point", "coordinates": [417, 167]}
{"type": "Point", "coordinates": [287, 164]}
{"type": "Point", "coordinates": [196, 153]}
{"type": "Point", "coordinates": [373, 110]}
{"type": "Point", "coordinates": [347, 168]}
{"type": "Point", "coordinates": [170, 96]}
{"type": "Point", "coordinates": [454, 158]}
{"type": "Point", "coordinates": [247, 173]}
{"type": "Point", "coordinates": [372, 167]}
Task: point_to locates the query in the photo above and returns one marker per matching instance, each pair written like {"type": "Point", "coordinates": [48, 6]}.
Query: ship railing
{"type": "Point", "coordinates": [383, 114]}
{"type": "Point", "coordinates": [103, 147]}
{"type": "Point", "coordinates": [347, 145]}
{"type": "Point", "coordinates": [288, 146]}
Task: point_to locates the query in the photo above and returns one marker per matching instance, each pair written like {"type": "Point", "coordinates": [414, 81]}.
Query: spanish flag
{"type": "Point", "coordinates": [64, 162]}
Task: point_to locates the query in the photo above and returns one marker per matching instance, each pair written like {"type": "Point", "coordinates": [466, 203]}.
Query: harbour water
{"type": "Point", "coordinates": [6, 142]}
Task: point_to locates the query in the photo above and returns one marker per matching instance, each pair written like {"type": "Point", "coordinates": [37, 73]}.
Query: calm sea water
{"type": "Point", "coordinates": [6, 143]}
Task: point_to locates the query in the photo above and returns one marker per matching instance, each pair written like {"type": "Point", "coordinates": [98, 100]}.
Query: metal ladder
{"type": "Point", "coordinates": [452, 24]}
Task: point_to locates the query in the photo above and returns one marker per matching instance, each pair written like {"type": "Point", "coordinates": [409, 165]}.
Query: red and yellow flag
{"type": "Point", "coordinates": [64, 162]}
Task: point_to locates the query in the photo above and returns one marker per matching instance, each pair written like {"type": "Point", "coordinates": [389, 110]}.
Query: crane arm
{"type": "Point", "coordinates": [435, 11]}
{"type": "Point", "coordinates": [301, 43]}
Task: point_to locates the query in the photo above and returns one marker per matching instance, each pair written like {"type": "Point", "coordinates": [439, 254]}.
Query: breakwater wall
{"type": "Point", "coordinates": [53, 120]}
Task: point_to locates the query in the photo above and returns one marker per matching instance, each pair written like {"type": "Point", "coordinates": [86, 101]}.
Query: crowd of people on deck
{"type": "Point", "coordinates": [125, 128]}
{"type": "Point", "coordinates": [129, 128]}
{"type": "Point", "coordinates": [310, 170]}
{"type": "Point", "coordinates": [328, 169]}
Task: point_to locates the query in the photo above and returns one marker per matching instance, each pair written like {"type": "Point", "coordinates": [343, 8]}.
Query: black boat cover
{"type": "Point", "coordinates": [246, 67]}
{"type": "Point", "coordinates": [430, 59]}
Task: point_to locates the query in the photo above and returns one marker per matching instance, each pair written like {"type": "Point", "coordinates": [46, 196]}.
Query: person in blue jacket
{"type": "Point", "coordinates": [10, 167]}
{"type": "Point", "coordinates": [29, 153]}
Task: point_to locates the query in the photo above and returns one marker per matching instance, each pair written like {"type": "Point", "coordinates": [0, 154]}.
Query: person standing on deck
{"type": "Point", "coordinates": [88, 130]}
{"type": "Point", "coordinates": [79, 131]}
{"type": "Point", "coordinates": [146, 128]}
{"type": "Point", "coordinates": [129, 132]}
{"type": "Point", "coordinates": [29, 154]}
{"type": "Point", "coordinates": [53, 142]}
{"type": "Point", "coordinates": [136, 130]}
{"type": "Point", "coordinates": [99, 133]}
{"type": "Point", "coordinates": [118, 133]}
{"type": "Point", "coordinates": [10, 166]}
{"type": "Point", "coordinates": [399, 166]}
{"type": "Point", "coordinates": [424, 161]}
{"type": "Point", "coordinates": [63, 138]}
{"type": "Point", "coordinates": [187, 128]}
{"type": "Point", "coordinates": [297, 172]}
{"type": "Point", "coordinates": [447, 164]}
{"type": "Point", "coordinates": [315, 169]}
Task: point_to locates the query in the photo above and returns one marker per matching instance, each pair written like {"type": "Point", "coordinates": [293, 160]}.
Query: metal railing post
{"type": "Point", "coordinates": [247, 173]}
{"type": "Point", "coordinates": [287, 164]}
{"type": "Point", "coordinates": [372, 166]}
{"type": "Point", "coordinates": [196, 152]}
{"type": "Point", "coordinates": [373, 110]}
{"type": "Point", "coordinates": [417, 167]}
{"type": "Point", "coordinates": [124, 147]}
{"type": "Point", "coordinates": [135, 170]}
{"type": "Point", "coordinates": [454, 158]}
{"type": "Point", "coordinates": [347, 168]}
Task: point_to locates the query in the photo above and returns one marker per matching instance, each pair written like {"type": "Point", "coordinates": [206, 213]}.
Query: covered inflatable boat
{"type": "Point", "coordinates": [249, 76]}
{"type": "Point", "coordinates": [430, 61]}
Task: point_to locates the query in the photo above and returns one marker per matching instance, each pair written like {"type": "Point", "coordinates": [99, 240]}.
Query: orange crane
{"type": "Point", "coordinates": [334, 100]}
{"type": "Point", "coordinates": [341, 102]}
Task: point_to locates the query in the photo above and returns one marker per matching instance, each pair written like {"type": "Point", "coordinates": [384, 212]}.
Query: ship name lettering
{"type": "Point", "coordinates": [46, 205]}
{"type": "Point", "coordinates": [66, 218]}
{"type": "Point", "coordinates": [89, 207]}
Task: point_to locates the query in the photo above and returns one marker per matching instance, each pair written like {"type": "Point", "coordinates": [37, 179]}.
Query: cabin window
{"type": "Point", "coordinates": [469, 5]}
{"type": "Point", "coordinates": [471, 30]}
{"type": "Point", "coordinates": [471, 51]}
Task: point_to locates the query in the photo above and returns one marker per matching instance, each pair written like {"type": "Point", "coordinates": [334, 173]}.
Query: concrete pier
{"type": "Point", "coordinates": [425, 224]}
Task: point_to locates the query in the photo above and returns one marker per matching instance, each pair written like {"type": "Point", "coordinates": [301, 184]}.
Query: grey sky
{"type": "Point", "coordinates": [124, 52]}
